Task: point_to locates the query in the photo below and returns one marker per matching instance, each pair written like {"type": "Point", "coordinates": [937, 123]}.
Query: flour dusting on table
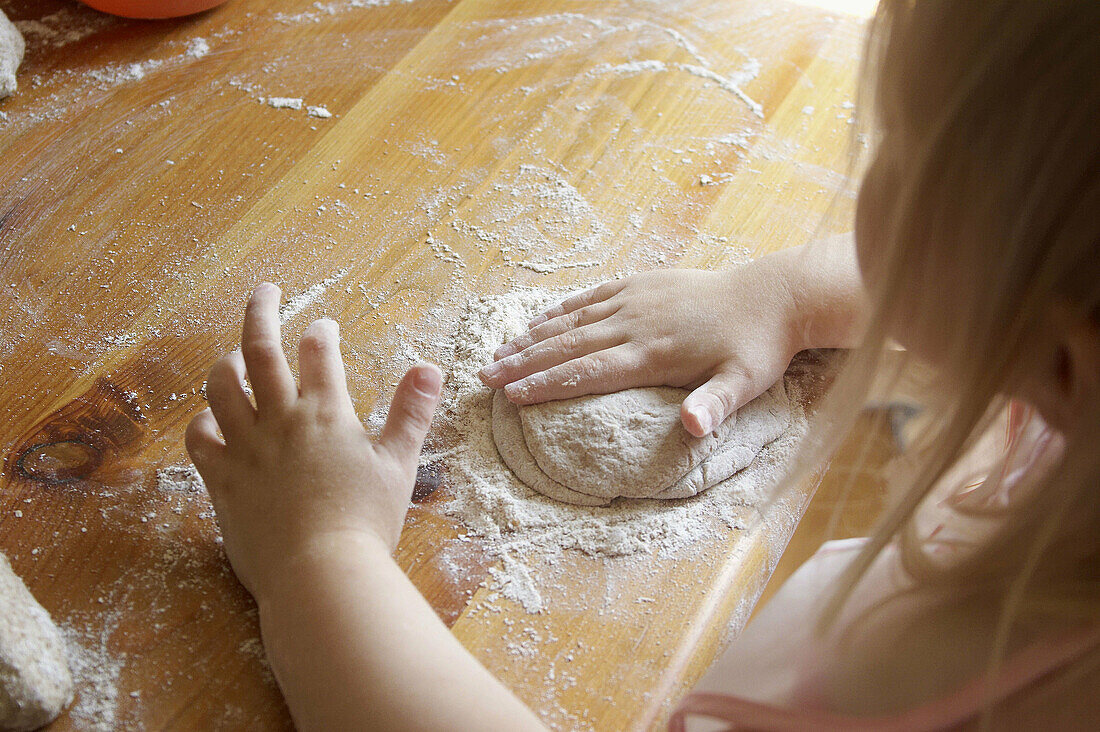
{"type": "Point", "coordinates": [97, 669]}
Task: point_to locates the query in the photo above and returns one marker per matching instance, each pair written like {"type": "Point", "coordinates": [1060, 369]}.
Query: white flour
{"type": "Point", "coordinates": [321, 11]}
{"type": "Point", "coordinates": [295, 305]}
{"type": "Point", "coordinates": [180, 479]}
{"type": "Point", "coordinates": [284, 102]}
{"type": "Point", "coordinates": [518, 524]}
{"type": "Point", "coordinates": [197, 47]}
{"type": "Point", "coordinates": [538, 212]}
{"type": "Point", "coordinates": [731, 84]}
{"type": "Point", "coordinates": [97, 669]}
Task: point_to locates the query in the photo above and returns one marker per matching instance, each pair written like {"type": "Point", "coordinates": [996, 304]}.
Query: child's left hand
{"type": "Point", "coordinates": [297, 474]}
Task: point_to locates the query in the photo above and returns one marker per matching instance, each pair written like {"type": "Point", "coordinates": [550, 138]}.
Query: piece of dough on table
{"type": "Point", "coordinates": [11, 55]}
{"type": "Point", "coordinates": [35, 682]}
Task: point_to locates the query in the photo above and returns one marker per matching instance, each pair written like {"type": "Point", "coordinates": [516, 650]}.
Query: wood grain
{"type": "Point", "coordinates": [145, 188]}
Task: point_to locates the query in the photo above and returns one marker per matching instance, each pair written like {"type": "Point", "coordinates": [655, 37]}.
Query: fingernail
{"type": "Point", "coordinates": [428, 380]}
{"type": "Point", "coordinates": [702, 416]}
{"type": "Point", "coordinates": [505, 350]}
{"type": "Point", "coordinates": [323, 325]}
{"type": "Point", "coordinates": [491, 370]}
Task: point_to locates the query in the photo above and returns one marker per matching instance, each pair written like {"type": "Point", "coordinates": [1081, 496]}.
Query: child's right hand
{"type": "Point", "coordinates": [728, 335]}
{"type": "Point", "coordinates": [296, 477]}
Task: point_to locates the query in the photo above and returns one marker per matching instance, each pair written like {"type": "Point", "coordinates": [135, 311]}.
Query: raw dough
{"type": "Point", "coordinates": [593, 449]}
{"type": "Point", "coordinates": [11, 55]}
{"type": "Point", "coordinates": [35, 683]}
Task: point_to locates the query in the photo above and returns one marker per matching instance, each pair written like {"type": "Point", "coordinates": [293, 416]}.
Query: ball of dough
{"type": "Point", "coordinates": [593, 449]}
{"type": "Point", "coordinates": [35, 683]}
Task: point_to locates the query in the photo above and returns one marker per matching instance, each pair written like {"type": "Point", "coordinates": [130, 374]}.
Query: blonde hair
{"type": "Point", "coordinates": [1001, 188]}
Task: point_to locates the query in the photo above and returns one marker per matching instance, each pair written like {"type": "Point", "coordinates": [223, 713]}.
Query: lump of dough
{"type": "Point", "coordinates": [593, 449]}
{"type": "Point", "coordinates": [11, 55]}
{"type": "Point", "coordinates": [35, 683]}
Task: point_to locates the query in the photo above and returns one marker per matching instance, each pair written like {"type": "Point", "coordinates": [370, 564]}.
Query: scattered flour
{"type": "Point", "coordinates": [120, 340]}
{"type": "Point", "coordinates": [321, 10]}
{"type": "Point", "coordinates": [318, 111]}
{"type": "Point", "coordinates": [197, 47]}
{"type": "Point", "coordinates": [121, 73]}
{"type": "Point", "coordinates": [732, 84]}
{"type": "Point", "coordinates": [96, 669]}
{"type": "Point", "coordinates": [284, 102]}
{"type": "Point", "coordinates": [180, 479]}
{"type": "Point", "coordinates": [303, 300]}
{"type": "Point", "coordinates": [253, 648]}
{"type": "Point", "coordinates": [538, 212]}
{"type": "Point", "coordinates": [513, 580]}
{"type": "Point", "coordinates": [553, 266]}
{"type": "Point", "coordinates": [444, 252]}
{"type": "Point", "coordinates": [519, 525]}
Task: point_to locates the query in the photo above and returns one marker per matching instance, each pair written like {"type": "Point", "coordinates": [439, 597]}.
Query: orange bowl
{"type": "Point", "coordinates": [151, 9]}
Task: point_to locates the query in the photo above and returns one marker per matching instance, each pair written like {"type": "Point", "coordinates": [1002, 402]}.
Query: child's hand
{"type": "Point", "coordinates": [297, 473]}
{"type": "Point", "coordinates": [728, 335]}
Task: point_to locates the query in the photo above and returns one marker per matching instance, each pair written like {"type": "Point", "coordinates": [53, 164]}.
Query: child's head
{"type": "Point", "coordinates": [977, 222]}
{"type": "Point", "coordinates": [979, 239]}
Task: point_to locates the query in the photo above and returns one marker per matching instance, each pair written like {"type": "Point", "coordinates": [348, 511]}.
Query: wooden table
{"type": "Point", "coordinates": [147, 184]}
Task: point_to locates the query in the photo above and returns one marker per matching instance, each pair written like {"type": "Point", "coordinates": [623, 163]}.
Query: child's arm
{"type": "Point", "coordinates": [729, 335]}
{"type": "Point", "coordinates": [310, 509]}
{"type": "Point", "coordinates": [355, 646]}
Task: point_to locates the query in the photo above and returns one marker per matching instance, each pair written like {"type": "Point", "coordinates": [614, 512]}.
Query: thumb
{"type": "Point", "coordinates": [710, 404]}
{"type": "Point", "coordinates": [411, 412]}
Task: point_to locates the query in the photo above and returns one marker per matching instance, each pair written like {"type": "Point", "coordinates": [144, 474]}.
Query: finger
{"type": "Point", "coordinates": [578, 318]}
{"type": "Point", "coordinates": [226, 397]}
{"type": "Point", "coordinates": [583, 299]}
{"type": "Point", "coordinates": [202, 442]}
{"type": "Point", "coordinates": [411, 412]}
{"type": "Point", "coordinates": [320, 366]}
{"type": "Point", "coordinates": [709, 405]}
{"type": "Point", "coordinates": [261, 343]}
{"type": "Point", "coordinates": [602, 372]}
{"type": "Point", "coordinates": [550, 353]}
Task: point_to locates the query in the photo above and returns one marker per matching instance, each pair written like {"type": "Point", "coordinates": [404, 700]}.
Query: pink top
{"type": "Point", "coordinates": [1027, 441]}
